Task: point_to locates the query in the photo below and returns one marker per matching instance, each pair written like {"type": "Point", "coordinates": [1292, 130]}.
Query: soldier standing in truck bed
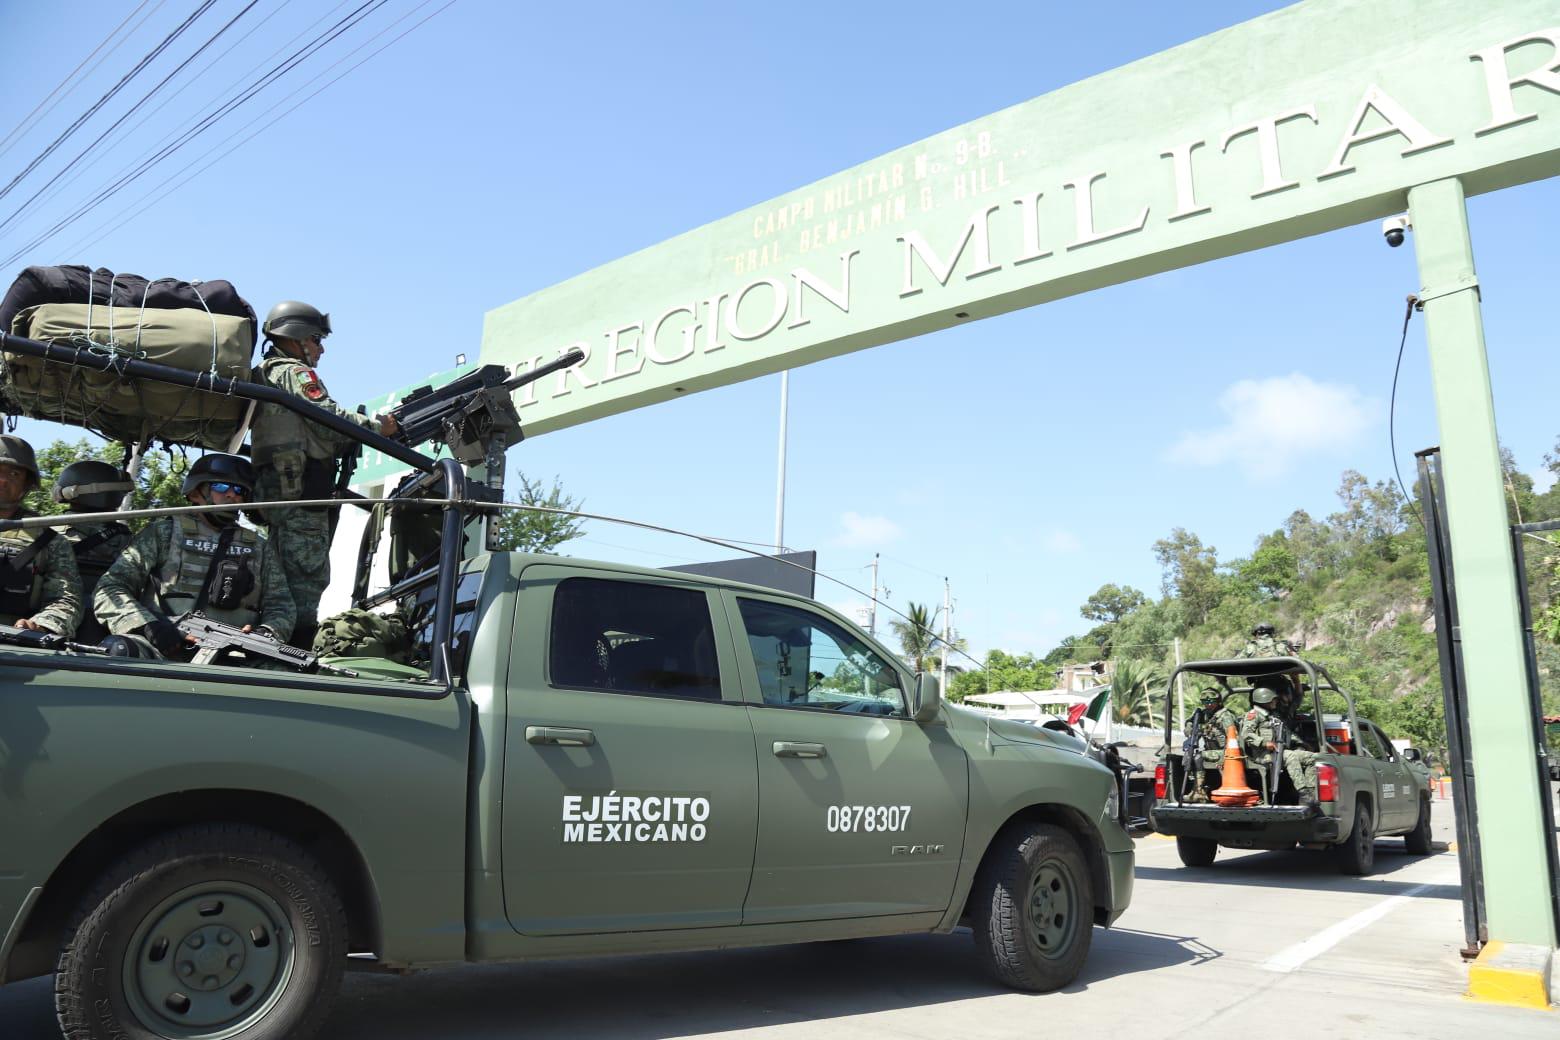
{"type": "Point", "coordinates": [296, 459]}
{"type": "Point", "coordinates": [40, 588]}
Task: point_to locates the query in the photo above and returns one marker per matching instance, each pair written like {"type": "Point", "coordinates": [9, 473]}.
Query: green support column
{"type": "Point", "coordinates": [1503, 740]}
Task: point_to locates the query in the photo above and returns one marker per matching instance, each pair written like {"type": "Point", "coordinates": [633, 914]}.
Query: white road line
{"type": "Point", "coordinates": [1318, 944]}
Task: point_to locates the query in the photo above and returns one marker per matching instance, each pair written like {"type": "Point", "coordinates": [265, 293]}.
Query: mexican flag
{"type": "Point", "coordinates": [1094, 709]}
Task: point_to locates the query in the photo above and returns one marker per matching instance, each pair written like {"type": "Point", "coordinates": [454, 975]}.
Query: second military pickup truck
{"type": "Point", "coordinates": [1365, 787]}
{"type": "Point", "coordinates": [579, 759]}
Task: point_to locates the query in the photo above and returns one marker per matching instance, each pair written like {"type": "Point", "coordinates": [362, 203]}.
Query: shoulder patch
{"type": "Point", "coordinates": [313, 389]}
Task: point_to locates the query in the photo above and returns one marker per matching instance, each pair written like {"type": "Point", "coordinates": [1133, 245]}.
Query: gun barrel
{"type": "Point", "coordinates": [573, 357]}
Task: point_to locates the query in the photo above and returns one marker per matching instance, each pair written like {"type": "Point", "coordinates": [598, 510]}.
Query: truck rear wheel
{"type": "Point", "coordinates": [1196, 852]}
{"type": "Point", "coordinates": [1033, 908]}
{"type": "Point", "coordinates": [1357, 855]}
{"type": "Point", "coordinates": [210, 931]}
{"type": "Point", "coordinates": [1417, 841]}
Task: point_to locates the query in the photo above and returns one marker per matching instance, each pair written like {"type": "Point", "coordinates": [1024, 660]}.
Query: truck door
{"type": "Point", "coordinates": [1400, 807]}
{"type": "Point", "coordinates": [861, 810]}
{"type": "Point", "coordinates": [630, 788]}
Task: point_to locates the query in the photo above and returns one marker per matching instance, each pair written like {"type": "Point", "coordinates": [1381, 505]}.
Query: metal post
{"type": "Point", "coordinates": [872, 611]}
{"type": "Point", "coordinates": [942, 679]}
{"type": "Point", "coordinates": [1180, 689]}
{"type": "Point", "coordinates": [785, 389]}
{"type": "Point", "coordinates": [133, 467]}
{"type": "Point", "coordinates": [1501, 728]}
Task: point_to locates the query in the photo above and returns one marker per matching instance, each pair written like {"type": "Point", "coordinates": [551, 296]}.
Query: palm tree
{"type": "Point", "coordinates": [916, 635]}
{"type": "Point", "coordinates": [1134, 688]}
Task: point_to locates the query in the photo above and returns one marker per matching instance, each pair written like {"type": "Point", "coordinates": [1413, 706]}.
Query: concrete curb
{"type": "Point", "coordinates": [1515, 974]}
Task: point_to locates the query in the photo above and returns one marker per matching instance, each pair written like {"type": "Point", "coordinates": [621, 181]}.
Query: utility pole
{"type": "Point", "coordinates": [947, 635]}
{"type": "Point", "coordinates": [785, 389]}
{"type": "Point", "coordinates": [872, 611]}
{"type": "Point", "coordinates": [1180, 689]}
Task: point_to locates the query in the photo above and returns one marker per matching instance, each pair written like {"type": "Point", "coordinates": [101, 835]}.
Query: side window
{"type": "Point", "coordinates": [807, 661]}
{"type": "Point", "coordinates": [632, 637]}
{"type": "Point", "coordinates": [1387, 750]}
{"type": "Point", "coordinates": [1368, 742]}
{"type": "Point", "coordinates": [419, 611]}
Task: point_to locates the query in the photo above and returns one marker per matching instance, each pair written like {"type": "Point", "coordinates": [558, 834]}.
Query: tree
{"type": "Point", "coordinates": [1134, 694]}
{"type": "Point", "coordinates": [1003, 671]}
{"type": "Point", "coordinates": [1190, 572]}
{"type": "Point", "coordinates": [916, 636]}
{"type": "Point", "coordinates": [1111, 603]}
{"type": "Point", "coordinates": [1272, 569]}
{"type": "Point", "coordinates": [529, 530]}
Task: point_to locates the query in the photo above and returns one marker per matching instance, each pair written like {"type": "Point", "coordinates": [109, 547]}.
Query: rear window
{"type": "Point", "coordinates": [632, 637]}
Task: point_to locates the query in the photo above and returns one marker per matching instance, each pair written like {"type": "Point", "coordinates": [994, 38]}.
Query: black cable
{"type": "Point", "coordinates": [106, 98]}
{"type": "Point", "coordinates": [280, 70]}
{"type": "Point", "coordinates": [1413, 304]}
{"type": "Point", "coordinates": [127, 114]}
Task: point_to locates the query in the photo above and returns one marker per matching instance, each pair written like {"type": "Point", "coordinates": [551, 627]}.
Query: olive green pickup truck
{"type": "Point", "coordinates": [613, 760]}
{"type": "Point", "coordinates": [1366, 787]}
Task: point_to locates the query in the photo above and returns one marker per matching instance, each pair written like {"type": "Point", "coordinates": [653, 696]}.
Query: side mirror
{"type": "Point", "coordinates": [928, 698]}
{"type": "Point", "coordinates": [1413, 754]}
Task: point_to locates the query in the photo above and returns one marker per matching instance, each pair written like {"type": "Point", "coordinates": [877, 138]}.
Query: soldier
{"type": "Point", "coordinates": [1210, 729]}
{"type": "Point", "coordinates": [1263, 643]}
{"type": "Point", "coordinates": [91, 486]}
{"type": "Point", "coordinates": [1258, 740]}
{"type": "Point", "coordinates": [40, 588]}
{"type": "Point", "coordinates": [200, 561]}
{"type": "Point", "coordinates": [297, 459]}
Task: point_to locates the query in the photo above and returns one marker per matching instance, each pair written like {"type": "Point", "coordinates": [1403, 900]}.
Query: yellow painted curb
{"type": "Point", "coordinates": [1511, 973]}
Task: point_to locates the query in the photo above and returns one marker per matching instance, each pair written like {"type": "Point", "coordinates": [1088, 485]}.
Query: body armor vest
{"type": "Point", "coordinates": [21, 587]}
{"type": "Point", "coordinates": [95, 553]}
{"type": "Point", "coordinates": [234, 592]}
{"type": "Point", "coordinates": [276, 429]}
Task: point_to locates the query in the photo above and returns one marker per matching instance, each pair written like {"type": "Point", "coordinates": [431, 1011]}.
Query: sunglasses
{"type": "Point", "coordinates": [220, 487]}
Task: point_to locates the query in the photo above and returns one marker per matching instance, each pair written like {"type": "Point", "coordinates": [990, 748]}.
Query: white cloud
{"type": "Point", "coordinates": [1060, 541]}
{"type": "Point", "coordinates": [858, 530]}
{"type": "Point", "coordinates": [1273, 423]}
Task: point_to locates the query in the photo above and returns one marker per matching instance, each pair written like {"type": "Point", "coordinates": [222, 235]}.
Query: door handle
{"type": "Point", "coordinates": [559, 736]}
{"type": "Point", "coordinates": [797, 749]}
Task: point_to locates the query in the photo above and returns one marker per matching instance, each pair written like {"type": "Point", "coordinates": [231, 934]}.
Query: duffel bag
{"type": "Point", "coordinates": [74, 283]}
{"type": "Point", "coordinates": [126, 409]}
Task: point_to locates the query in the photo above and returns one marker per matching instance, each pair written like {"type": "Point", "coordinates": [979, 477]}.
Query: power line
{"type": "Point", "coordinates": [109, 96]}
{"type": "Point", "coordinates": [273, 75]}
{"type": "Point", "coordinates": [44, 107]}
{"type": "Point", "coordinates": [152, 198]}
{"type": "Point", "coordinates": [128, 113]}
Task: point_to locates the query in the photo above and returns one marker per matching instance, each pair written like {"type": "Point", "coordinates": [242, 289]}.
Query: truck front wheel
{"type": "Point", "coordinates": [204, 932]}
{"type": "Point", "coordinates": [1034, 908]}
{"type": "Point", "coordinates": [1417, 841]}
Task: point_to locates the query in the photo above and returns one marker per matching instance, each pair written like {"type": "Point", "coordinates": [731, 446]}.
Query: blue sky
{"type": "Point", "coordinates": [501, 148]}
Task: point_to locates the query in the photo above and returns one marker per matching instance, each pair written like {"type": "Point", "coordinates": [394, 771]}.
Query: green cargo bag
{"type": "Point", "coordinates": [363, 633]}
{"type": "Point", "coordinates": [123, 409]}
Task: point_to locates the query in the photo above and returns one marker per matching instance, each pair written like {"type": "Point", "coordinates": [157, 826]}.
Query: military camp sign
{"type": "Point", "coordinates": [1312, 118]}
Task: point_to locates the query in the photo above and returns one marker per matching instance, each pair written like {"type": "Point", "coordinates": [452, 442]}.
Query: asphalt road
{"type": "Point", "coordinates": [1274, 942]}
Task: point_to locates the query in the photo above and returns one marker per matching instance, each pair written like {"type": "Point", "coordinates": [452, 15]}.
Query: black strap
{"type": "Point", "coordinates": [224, 540]}
{"type": "Point", "coordinates": [25, 558]}
{"type": "Point", "coordinates": [97, 538]}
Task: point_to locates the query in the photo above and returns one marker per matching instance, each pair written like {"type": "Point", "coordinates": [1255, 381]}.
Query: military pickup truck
{"type": "Point", "coordinates": [580, 759]}
{"type": "Point", "coordinates": [1365, 787]}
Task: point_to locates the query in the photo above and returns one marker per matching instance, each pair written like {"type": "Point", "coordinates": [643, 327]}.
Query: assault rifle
{"type": "Point", "coordinates": [472, 413]}
{"type": "Point", "coordinates": [1191, 756]}
{"type": "Point", "coordinates": [213, 637]}
{"type": "Point", "coordinates": [13, 636]}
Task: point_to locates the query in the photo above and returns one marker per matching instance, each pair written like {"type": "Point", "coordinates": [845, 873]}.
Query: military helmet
{"type": "Point", "coordinates": [91, 486]}
{"type": "Point", "coordinates": [17, 452]}
{"type": "Point", "coordinates": [291, 319]}
{"type": "Point", "coordinates": [1210, 694]}
{"type": "Point", "coordinates": [218, 466]}
{"type": "Point", "coordinates": [1263, 695]}
{"type": "Point", "coordinates": [1264, 629]}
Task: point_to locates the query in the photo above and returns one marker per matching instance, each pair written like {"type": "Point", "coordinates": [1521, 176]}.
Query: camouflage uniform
{"type": "Point", "coordinates": [296, 459]}
{"type": "Point", "coordinates": [161, 573]}
{"type": "Point", "coordinates": [47, 589]}
{"type": "Point", "coordinates": [1267, 646]}
{"type": "Point", "coordinates": [103, 543]}
{"type": "Point", "coordinates": [1256, 731]}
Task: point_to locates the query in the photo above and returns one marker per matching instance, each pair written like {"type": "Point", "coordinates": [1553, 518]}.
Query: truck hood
{"type": "Point", "coordinates": [975, 725]}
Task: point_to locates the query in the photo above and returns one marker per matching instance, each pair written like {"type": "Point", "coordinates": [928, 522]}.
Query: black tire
{"type": "Point", "coordinates": [1196, 852]}
{"type": "Point", "coordinates": [1357, 855]}
{"type": "Point", "coordinates": [1417, 841]}
{"type": "Point", "coordinates": [246, 917]}
{"type": "Point", "coordinates": [1033, 908]}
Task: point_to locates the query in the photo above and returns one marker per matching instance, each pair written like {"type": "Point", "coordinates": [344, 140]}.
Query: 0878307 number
{"type": "Point", "coordinates": [853, 818]}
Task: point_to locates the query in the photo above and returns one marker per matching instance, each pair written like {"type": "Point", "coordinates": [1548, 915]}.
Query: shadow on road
{"type": "Point", "coordinates": [671, 995]}
{"type": "Point", "coordinates": [1305, 869]}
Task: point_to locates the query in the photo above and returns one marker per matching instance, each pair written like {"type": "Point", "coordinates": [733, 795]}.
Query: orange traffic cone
{"type": "Point", "coordinates": [1234, 792]}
